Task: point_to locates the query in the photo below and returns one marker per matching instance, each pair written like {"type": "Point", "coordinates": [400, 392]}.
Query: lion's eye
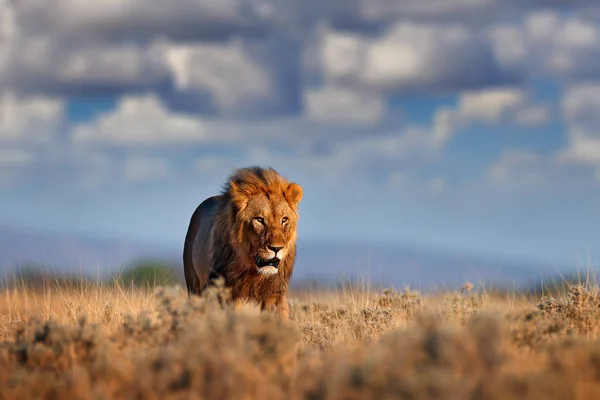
{"type": "Point", "coordinates": [260, 220]}
{"type": "Point", "coordinates": [284, 220]}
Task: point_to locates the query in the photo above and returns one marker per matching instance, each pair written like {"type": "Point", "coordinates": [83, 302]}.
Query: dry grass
{"type": "Point", "coordinates": [93, 342]}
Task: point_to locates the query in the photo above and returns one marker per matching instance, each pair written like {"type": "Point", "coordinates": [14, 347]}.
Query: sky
{"type": "Point", "coordinates": [469, 125]}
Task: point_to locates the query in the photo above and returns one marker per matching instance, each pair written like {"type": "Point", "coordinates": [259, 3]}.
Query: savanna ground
{"type": "Point", "coordinates": [95, 342]}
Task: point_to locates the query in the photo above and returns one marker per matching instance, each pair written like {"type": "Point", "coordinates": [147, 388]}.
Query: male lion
{"type": "Point", "coordinates": [247, 235]}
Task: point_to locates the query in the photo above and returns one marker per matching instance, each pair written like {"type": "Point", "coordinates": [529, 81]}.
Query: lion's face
{"type": "Point", "coordinates": [267, 225]}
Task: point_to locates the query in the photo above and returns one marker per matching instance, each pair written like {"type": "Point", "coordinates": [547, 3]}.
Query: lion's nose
{"type": "Point", "coordinates": [275, 248]}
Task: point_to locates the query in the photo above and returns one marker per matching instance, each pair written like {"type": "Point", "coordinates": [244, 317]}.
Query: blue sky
{"type": "Point", "coordinates": [470, 125]}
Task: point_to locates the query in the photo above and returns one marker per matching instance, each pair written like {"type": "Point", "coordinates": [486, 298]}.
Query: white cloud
{"type": "Point", "coordinates": [29, 118]}
{"type": "Point", "coordinates": [547, 42]}
{"type": "Point", "coordinates": [365, 14]}
{"type": "Point", "coordinates": [570, 46]}
{"type": "Point", "coordinates": [581, 103]}
{"type": "Point", "coordinates": [534, 115]}
{"type": "Point", "coordinates": [72, 54]}
{"type": "Point", "coordinates": [142, 121]}
{"type": "Point", "coordinates": [125, 64]}
{"type": "Point", "coordinates": [408, 56]}
{"type": "Point", "coordinates": [489, 107]}
{"type": "Point", "coordinates": [580, 107]}
{"type": "Point", "coordinates": [518, 168]}
{"type": "Point", "coordinates": [8, 31]}
{"type": "Point", "coordinates": [382, 9]}
{"type": "Point", "coordinates": [509, 46]}
{"type": "Point", "coordinates": [140, 168]}
{"type": "Point", "coordinates": [184, 19]}
{"type": "Point", "coordinates": [379, 158]}
{"type": "Point", "coordinates": [227, 72]}
{"type": "Point", "coordinates": [368, 158]}
{"type": "Point", "coordinates": [121, 48]}
{"type": "Point", "coordinates": [365, 53]}
{"type": "Point", "coordinates": [437, 44]}
{"type": "Point", "coordinates": [41, 63]}
{"type": "Point", "coordinates": [582, 149]}
{"type": "Point", "coordinates": [33, 57]}
{"type": "Point", "coordinates": [341, 106]}
{"type": "Point", "coordinates": [145, 121]}
{"type": "Point", "coordinates": [408, 143]}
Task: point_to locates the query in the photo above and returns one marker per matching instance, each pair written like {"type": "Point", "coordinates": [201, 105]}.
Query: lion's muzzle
{"type": "Point", "coordinates": [267, 266]}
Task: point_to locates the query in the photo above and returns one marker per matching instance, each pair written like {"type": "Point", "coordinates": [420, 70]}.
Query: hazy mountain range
{"type": "Point", "coordinates": [322, 263]}
{"type": "Point", "coordinates": [72, 253]}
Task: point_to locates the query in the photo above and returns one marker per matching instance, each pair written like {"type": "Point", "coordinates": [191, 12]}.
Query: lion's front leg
{"type": "Point", "coordinates": [268, 303]}
{"type": "Point", "coordinates": [237, 303]}
{"type": "Point", "coordinates": [283, 307]}
{"type": "Point", "coordinates": [278, 302]}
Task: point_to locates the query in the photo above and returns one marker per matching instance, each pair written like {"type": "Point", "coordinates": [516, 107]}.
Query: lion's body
{"type": "Point", "coordinates": [197, 245]}
{"type": "Point", "coordinates": [224, 239]}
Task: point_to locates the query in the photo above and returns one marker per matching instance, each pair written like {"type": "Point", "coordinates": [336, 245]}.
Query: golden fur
{"type": "Point", "coordinates": [247, 235]}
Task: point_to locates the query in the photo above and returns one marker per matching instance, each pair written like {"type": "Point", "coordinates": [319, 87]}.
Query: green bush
{"type": "Point", "coordinates": [149, 273]}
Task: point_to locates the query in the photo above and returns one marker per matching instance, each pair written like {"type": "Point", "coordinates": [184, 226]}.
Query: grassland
{"type": "Point", "coordinates": [96, 342]}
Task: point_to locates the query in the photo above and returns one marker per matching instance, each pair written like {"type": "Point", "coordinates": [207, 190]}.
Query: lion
{"type": "Point", "coordinates": [247, 235]}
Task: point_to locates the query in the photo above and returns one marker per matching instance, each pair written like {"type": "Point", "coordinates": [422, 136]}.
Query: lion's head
{"type": "Point", "coordinates": [264, 215]}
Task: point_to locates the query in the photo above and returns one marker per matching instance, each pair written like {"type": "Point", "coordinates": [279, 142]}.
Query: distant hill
{"type": "Point", "coordinates": [72, 254]}
{"type": "Point", "coordinates": [425, 269]}
{"type": "Point", "coordinates": [320, 263]}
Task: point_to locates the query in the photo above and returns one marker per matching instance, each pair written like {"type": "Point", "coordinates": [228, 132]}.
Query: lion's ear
{"type": "Point", "coordinates": [293, 193]}
{"type": "Point", "coordinates": [240, 195]}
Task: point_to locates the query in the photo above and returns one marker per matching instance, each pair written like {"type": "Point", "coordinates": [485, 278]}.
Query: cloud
{"type": "Point", "coordinates": [36, 59]}
{"type": "Point", "coordinates": [135, 47]}
{"type": "Point", "coordinates": [40, 64]}
{"type": "Point", "coordinates": [525, 170]}
{"type": "Point", "coordinates": [517, 168]}
{"type": "Point", "coordinates": [139, 168]}
{"type": "Point", "coordinates": [237, 77]}
{"type": "Point", "coordinates": [549, 43]}
{"type": "Point", "coordinates": [139, 19]}
{"type": "Point", "coordinates": [141, 121]}
{"type": "Point", "coordinates": [29, 119]}
{"type": "Point", "coordinates": [8, 28]}
{"type": "Point", "coordinates": [570, 47]}
{"type": "Point", "coordinates": [242, 58]}
{"type": "Point", "coordinates": [145, 121]}
{"type": "Point", "coordinates": [240, 82]}
{"type": "Point", "coordinates": [368, 159]}
{"type": "Point", "coordinates": [533, 115]}
{"type": "Point", "coordinates": [198, 47]}
{"type": "Point", "coordinates": [113, 50]}
{"type": "Point", "coordinates": [580, 107]}
{"type": "Point", "coordinates": [370, 15]}
{"type": "Point", "coordinates": [490, 107]}
{"type": "Point", "coordinates": [410, 56]}
{"type": "Point", "coordinates": [580, 104]}
{"type": "Point", "coordinates": [341, 106]}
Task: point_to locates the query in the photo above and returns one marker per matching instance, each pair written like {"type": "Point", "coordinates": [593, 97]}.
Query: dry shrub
{"type": "Point", "coordinates": [436, 361]}
{"type": "Point", "coordinates": [190, 346]}
{"type": "Point", "coordinates": [428, 361]}
{"type": "Point", "coordinates": [460, 307]}
{"type": "Point", "coordinates": [391, 345]}
{"type": "Point", "coordinates": [330, 325]}
{"type": "Point", "coordinates": [579, 310]}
